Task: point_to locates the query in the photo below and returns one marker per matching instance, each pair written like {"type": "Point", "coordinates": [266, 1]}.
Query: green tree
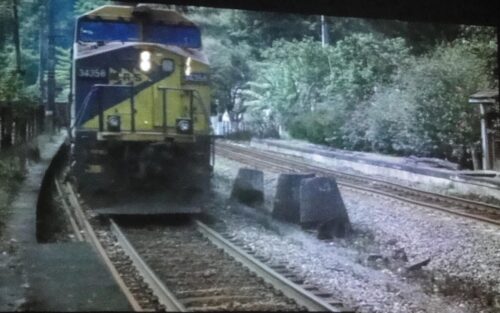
{"type": "Point", "coordinates": [83, 6]}
{"type": "Point", "coordinates": [14, 86]}
{"type": "Point", "coordinates": [360, 62]}
{"type": "Point", "coordinates": [5, 22]}
{"type": "Point", "coordinates": [390, 126]}
{"type": "Point", "coordinates": [229, 60]}
{"type": "Point", "coordinates": [426, 110]}
{"type": "Point", "coordinates": [307, 85]}
{"type": "Point", "coordinates": [63, 72]}
{"type": "Point", "coordinates": [439, 84]}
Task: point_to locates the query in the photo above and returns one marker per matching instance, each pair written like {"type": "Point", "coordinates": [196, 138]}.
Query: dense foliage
{"type": "Point", "coordinates": [385, 86]}
{"type": "Point", "coordinates": [26, 85]}
{"type": "Point", "coordinates": [12, 82]}
{"type": "Point", "coordinates": [373, 94]}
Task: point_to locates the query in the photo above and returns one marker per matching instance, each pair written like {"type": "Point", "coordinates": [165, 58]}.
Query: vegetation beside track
{"type": "Point", "coordinates": [11, 175]}
{"type": "Point", "coordinates": [392, 87]}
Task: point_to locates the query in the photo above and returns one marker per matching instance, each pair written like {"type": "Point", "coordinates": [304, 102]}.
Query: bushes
{"type": "Point", "coordinates": [313, 91]}
{"type": "Point", "coordinates": [425, 110]}
{"type": "Point", "coordinates": [368, 93]}
{"type": "Point", "coordinates": [11, 175]}
{"type": "Point", "coordinates": [370, 90]}
{"type": "Point", "coordinates": [390, 123]}
{"type": "Point", "coordinates": [12, 90]}
{"type": "Point", "coordinates": [11, 169]}
{"type": "Point", "coordinates": [308, 126]}
{"type": "Point", "coordinates": [434, 89]}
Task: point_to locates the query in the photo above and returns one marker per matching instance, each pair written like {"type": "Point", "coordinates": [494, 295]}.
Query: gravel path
{"type": "Point", "coordinates": [367, 271]}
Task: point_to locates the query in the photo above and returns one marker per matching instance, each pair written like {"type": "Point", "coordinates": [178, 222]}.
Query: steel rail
{"type": "Point", "coordinates": [94, 241]}
{"type": "Point", "coordinates": [301, 296]}
{"type": "Point", "coordinates": [165, 296]}
{"type": "Point", "coordinates": [372, 179]}
{"type": "Point", "coordinates": [74, 226]}
{"type": "Point", "coordinates": [415, 192]}
{"type": "Point", "coordinates": [261, 161]}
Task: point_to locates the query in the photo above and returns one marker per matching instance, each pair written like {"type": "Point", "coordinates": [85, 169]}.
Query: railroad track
{"type": "Point", "coordinates": [286, 163]}
{"type": "Point", "coordinates": [191, 267]}
{"type": "Point", "coordinates": [197, 269]}
{"type": "Point", "coordinates": [129, 280]}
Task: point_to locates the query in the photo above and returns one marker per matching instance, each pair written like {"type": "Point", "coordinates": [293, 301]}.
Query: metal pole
{"type": "Point", "coordinates": [132, 109]}
{"type": "Point", "coordinates": [191, 110]}
{"type": "Point", "coordinates": [164, 94]}
{"type": "Point", "coordinates": [100, 109]}
{"type": "Point", "coordinates": [67, 117]}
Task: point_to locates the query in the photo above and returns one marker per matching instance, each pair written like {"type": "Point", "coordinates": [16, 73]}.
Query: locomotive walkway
{"type": "Point", "coordinates": [51, 276]}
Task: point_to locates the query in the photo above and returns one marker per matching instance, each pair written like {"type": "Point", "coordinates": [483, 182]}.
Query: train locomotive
{"type": "Point", "coordinates": [140, 115]}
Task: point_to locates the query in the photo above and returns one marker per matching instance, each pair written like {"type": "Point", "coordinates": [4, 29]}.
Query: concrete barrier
{"type": "Point", "coordinates": [248, 186]}
{"type": "Point", "coordinates": [286, 204]}
{"type": "Point", "coordinates": [321, 205]}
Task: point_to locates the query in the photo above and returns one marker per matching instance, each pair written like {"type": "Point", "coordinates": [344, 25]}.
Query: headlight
{"type": "Point", "coordinates": [114, 122]}
{"type": "Point", "coordinates": [145, 64]}
{"type": "Point", "coordinates": [184, 126]}
{"type": "Point", "coordinates": [145, 56]}
{"type": "Point", "coordinates": [187, 67]}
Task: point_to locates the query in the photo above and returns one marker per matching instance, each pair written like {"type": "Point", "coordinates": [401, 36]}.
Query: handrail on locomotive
{"type": "Point", "coordinates": [164, 91]}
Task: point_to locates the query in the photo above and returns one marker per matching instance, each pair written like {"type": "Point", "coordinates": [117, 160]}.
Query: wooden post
{"type": "Point", "coordinates": [6, 136]}
{"type": "Point", "coordinates": [484, 137]}
{"type": "Point", "coordinates": [325, 39]}
{"type": "Point", "coordinates": [23, 133]}
{"type": "Point", "coordinates": [476, 161]}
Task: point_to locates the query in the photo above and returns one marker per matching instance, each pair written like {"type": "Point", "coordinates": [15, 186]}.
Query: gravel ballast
{"type": "Point", "coordinates": [369, 270]}
{"type": "Point", "coordinates": [201, 275]}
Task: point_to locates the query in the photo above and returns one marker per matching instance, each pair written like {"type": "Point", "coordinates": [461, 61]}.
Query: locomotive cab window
{"type": "Point", "coordinates": [176, 35]}
{"type": "Point", "coordinates": [108, 31]}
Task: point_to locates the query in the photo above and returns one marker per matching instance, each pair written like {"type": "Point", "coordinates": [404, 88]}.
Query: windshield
{"type": "Point", "coordinates": [108, 31]}
{"type": "Point", "coordinates": [183, 36]}
{"type": "Point", "coordinates": [176, 35]}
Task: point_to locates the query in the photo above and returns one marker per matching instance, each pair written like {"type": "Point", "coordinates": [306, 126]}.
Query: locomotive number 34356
{"type": "Point", "coordinates": [92, 72]}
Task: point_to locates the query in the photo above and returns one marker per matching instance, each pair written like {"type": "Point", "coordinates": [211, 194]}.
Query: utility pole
{"type": "Point", "coordinates": [16, 37]}
{"type": "Point", "coordinates": [42, 46]}
{"type": "Point", "coordinates": [325, 40]}
{"type": "Point", "coordinates": [51, 63]}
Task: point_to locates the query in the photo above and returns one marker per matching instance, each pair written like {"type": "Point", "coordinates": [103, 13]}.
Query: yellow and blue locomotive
{"type": "Point", "coordinates": [141, 101]}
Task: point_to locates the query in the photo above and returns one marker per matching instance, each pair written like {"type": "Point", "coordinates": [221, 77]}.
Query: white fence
{"type": "Point", "coordinates": [224, 127]}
